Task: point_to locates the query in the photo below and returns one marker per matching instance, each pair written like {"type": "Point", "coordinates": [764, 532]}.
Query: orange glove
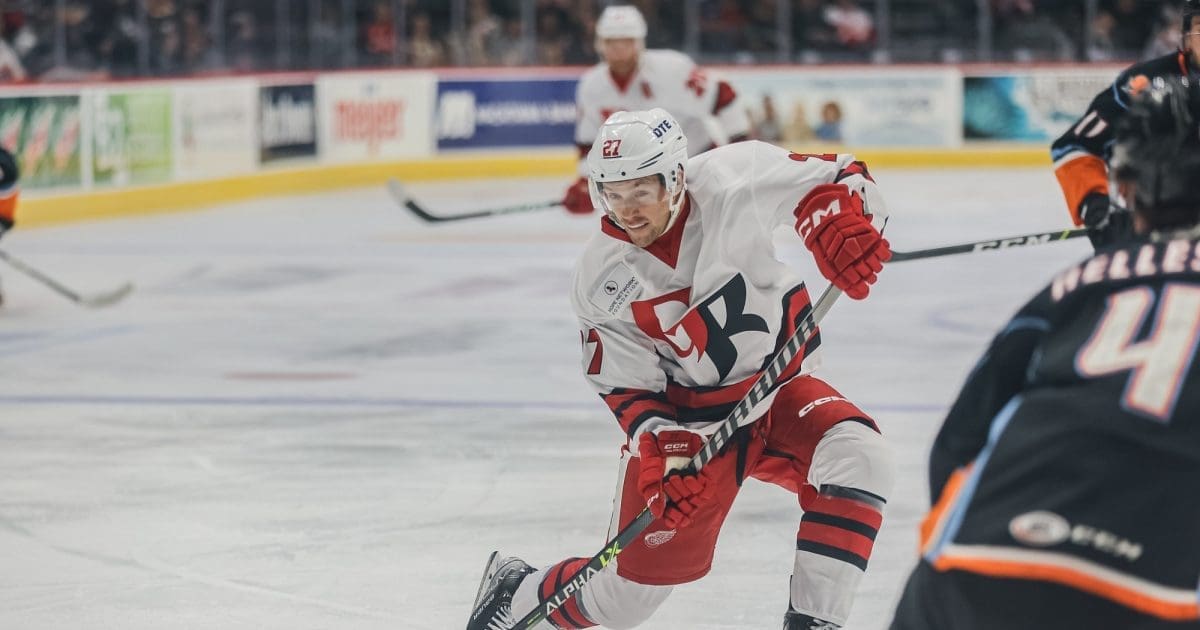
{"type": "Point", "coordinates": [8, 190]}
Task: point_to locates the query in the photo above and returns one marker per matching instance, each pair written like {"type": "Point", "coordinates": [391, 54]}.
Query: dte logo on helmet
{"type": "Point", "coordinates": [662, 128]}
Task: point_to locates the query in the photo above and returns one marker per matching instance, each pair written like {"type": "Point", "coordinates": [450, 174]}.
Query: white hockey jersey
{"type": "Point", "coordinates": [666, 79]}
{"type": "Point", "coordinates": [680, 330]}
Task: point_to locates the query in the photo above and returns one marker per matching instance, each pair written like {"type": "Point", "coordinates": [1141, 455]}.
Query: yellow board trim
{"type": "Point", "coordinates": [54, 209]}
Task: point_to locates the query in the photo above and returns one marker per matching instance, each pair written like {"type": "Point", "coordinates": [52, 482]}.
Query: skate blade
{"type": "Point", "coordinates": [489, 570]}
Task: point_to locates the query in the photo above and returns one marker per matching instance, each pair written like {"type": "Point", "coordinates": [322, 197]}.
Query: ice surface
{"type": "Point", "coordinates": [316, 412]}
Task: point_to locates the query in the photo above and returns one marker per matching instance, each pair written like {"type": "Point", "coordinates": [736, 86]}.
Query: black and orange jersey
{"type": "Point", "coordinates": [8, 189]}
{"type": "Point", "coordinates": [1072, 454]}
{"type": "Point", "coordinates": [1081, 153]}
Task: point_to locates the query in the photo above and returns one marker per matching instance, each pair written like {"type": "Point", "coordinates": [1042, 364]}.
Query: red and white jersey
{"type": "Point", "coordinates": [666, 79]}
{"type": "Point", "coordinates": [679, 331]}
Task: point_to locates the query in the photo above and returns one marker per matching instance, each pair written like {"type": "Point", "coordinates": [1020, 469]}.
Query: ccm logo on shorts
{"type": "Point", "coordinates": [817, 403]}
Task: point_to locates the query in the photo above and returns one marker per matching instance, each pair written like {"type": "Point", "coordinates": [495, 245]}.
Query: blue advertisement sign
{"type": "Point", "coordinates": [1034, 106]}
{"type": "Point", "coordinates": [505, 113]}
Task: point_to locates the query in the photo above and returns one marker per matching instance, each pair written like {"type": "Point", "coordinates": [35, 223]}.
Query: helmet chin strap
{"type": "Point", "coordinates": [676, 205]}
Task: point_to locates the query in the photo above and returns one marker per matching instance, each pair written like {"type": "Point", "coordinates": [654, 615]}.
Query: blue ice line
{"type": "Point", "coordinates": [39, 342]}
{"type": "Point", "coordinates": [335, 401]}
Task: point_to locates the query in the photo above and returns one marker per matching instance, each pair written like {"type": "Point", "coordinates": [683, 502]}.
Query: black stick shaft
{"type": "Point", "coordinates": [40, 277]}
{"type": "Point", "coordinates": [402, 197]}
{"type": "Point", "coordinates": [766, 383]}
{"type": "Point", "coordinates": [1024, 240]}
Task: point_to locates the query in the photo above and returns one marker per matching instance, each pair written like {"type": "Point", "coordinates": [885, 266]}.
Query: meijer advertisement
{"type": "Point", "coordinates": [380, 115]}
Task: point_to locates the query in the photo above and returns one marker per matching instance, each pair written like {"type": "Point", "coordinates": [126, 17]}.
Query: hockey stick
{"type": "Point", "coordinates": [1040, 238]}
{"type": "Point", "coordinates": [740, 416]}
{"type": "Point", "coordinates": [402, 197]}
{"type": "Point", "coordinates": [92, 301]}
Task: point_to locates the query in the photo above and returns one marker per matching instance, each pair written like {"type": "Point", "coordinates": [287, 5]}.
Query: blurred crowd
{"type": "Point", "coordinates": [85, 39]}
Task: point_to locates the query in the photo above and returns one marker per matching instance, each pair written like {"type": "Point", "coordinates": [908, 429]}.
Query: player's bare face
{"type": "Point", "coordinates": [641, 207]}
{"type": "Point", "coordinates": [621, 55]}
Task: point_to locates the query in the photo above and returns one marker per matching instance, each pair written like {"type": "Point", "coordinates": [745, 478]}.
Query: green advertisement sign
{"type": "Point", "coordinates": [132, 137]}
{"type": "Point", "coordinates": [43, 132]}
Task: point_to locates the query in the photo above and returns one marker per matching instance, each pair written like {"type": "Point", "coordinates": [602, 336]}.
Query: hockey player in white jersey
{"type": "Point", "coordinates": [681, 304]}
{"type": "Point", "coordinates": [632, 78]}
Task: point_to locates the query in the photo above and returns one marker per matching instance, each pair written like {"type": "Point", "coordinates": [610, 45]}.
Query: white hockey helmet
{"type": "Point", "coordinates": [621, 22]}
{"type": "Point", "coordinates": [631, 145]}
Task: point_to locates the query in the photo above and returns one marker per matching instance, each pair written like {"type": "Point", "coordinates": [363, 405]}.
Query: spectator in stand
{"type": "Point", "coordinates": [424, 50]}
{"type": "Point", "coordinates": [198, 54]}
{"type": "Point", "coordinates": [10, 64]}
{"type": "Point", "coordinates": [483, 45]}
{"type": "Point", "coordinates": [551, 43]}
{"type": "Point", "coordinates": [1135, 24]}
{"type": "Point", "coordinates": [664, 23]}
{"type": "Point", "coordinates": [722, 26]}
{"type": "Point", "coordinates": [245, 44]}
{"type": "Point", "coordinates": [167, 59]}
{"type": "Point", "coordinates": [810, 33]}
{"type": "Point", "coordinates": [1102, 46]}
{"type": "Point", "coordinates": [116, 51]}
{"type": "Point", "coordinates": [325, 39]}
{"type": "Point", "coordinates": [761, 28]}
{"type": "Point", "coordinates": [512, 51]}
{"type": "Point", "coordinates": [1165, 39]}
{"type": "Point", "coordinates": [379, 35]}
{"type": "Point", "coordinates": [853, 27]}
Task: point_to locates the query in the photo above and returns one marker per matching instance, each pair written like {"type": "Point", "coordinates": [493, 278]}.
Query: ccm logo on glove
{"type": "Point", "coordinates": [848, 250]}
{"type": "Point", "coordinates": [813, 218]}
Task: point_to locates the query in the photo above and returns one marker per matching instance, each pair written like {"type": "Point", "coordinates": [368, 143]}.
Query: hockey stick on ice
{"type": "Point", "coordinates": [402, 197]}
{"type": "Point", "coordinates": [92, 301]}
{"type": "Point", "coordinates": [1040, 238]}
{"type": "Point", "coordinates": [740, 416]}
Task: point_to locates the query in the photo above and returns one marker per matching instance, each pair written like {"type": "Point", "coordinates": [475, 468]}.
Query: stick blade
{"type": "Point", "coordinates": [397, 190]}
{"type": "Point", "coordinates": [402, 198]}
{"type": "Point", "coordinates": [107, 298]}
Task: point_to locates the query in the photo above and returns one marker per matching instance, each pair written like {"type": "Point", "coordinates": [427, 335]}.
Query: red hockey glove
{"type": "Point", "coordinates": [849, 250]}
{"type": "Point", "coordinates": [676, 498]}
{"type": "Point", "coordinates": [578, 200]}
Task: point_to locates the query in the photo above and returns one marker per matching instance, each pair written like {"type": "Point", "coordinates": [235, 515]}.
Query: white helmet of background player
{"type": "Point", "coordinates": [621, 38]}
{"type": "Point", "coordinates": [621, 22]}
{"type": "Point", "coordinates": [632, 145]}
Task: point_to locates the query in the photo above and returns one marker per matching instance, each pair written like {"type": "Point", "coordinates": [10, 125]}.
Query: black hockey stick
{"type": "Point", "coordinates": [92, 301]}
{"type": "Point", "coordinates": [740, 416]}
{"type": "Point", "coordinates": [1040, 238]}
{"type": "Point", "coordinates": [402, 197]}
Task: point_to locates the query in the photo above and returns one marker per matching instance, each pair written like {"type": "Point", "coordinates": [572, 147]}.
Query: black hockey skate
{"type": "Point", "coordinates": [793, 620]}
{"type": "Point", "coordinates": [493, 602]}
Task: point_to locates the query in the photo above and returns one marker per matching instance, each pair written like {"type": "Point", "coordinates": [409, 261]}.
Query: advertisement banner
{"type": "Point", "coordinates": [43, 132]}
{"type": "Point", "coordinates": [287, 122]}
{"type": "Point", "coordinates": [858, 107]}
{"type": "Point", "coordinates": [131, 136]}
{"type": "Point", "coordinates": [1036, 106]}
{"type": "Point", "coordinates": [372, 116]}
{"type": "Point", "coordinates": [216, 129]}
{"type": "Point", "coordinates": [506, 113]}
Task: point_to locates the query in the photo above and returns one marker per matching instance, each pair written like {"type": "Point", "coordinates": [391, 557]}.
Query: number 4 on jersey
{"type": "Point", "coordinates": [1157, 364]}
